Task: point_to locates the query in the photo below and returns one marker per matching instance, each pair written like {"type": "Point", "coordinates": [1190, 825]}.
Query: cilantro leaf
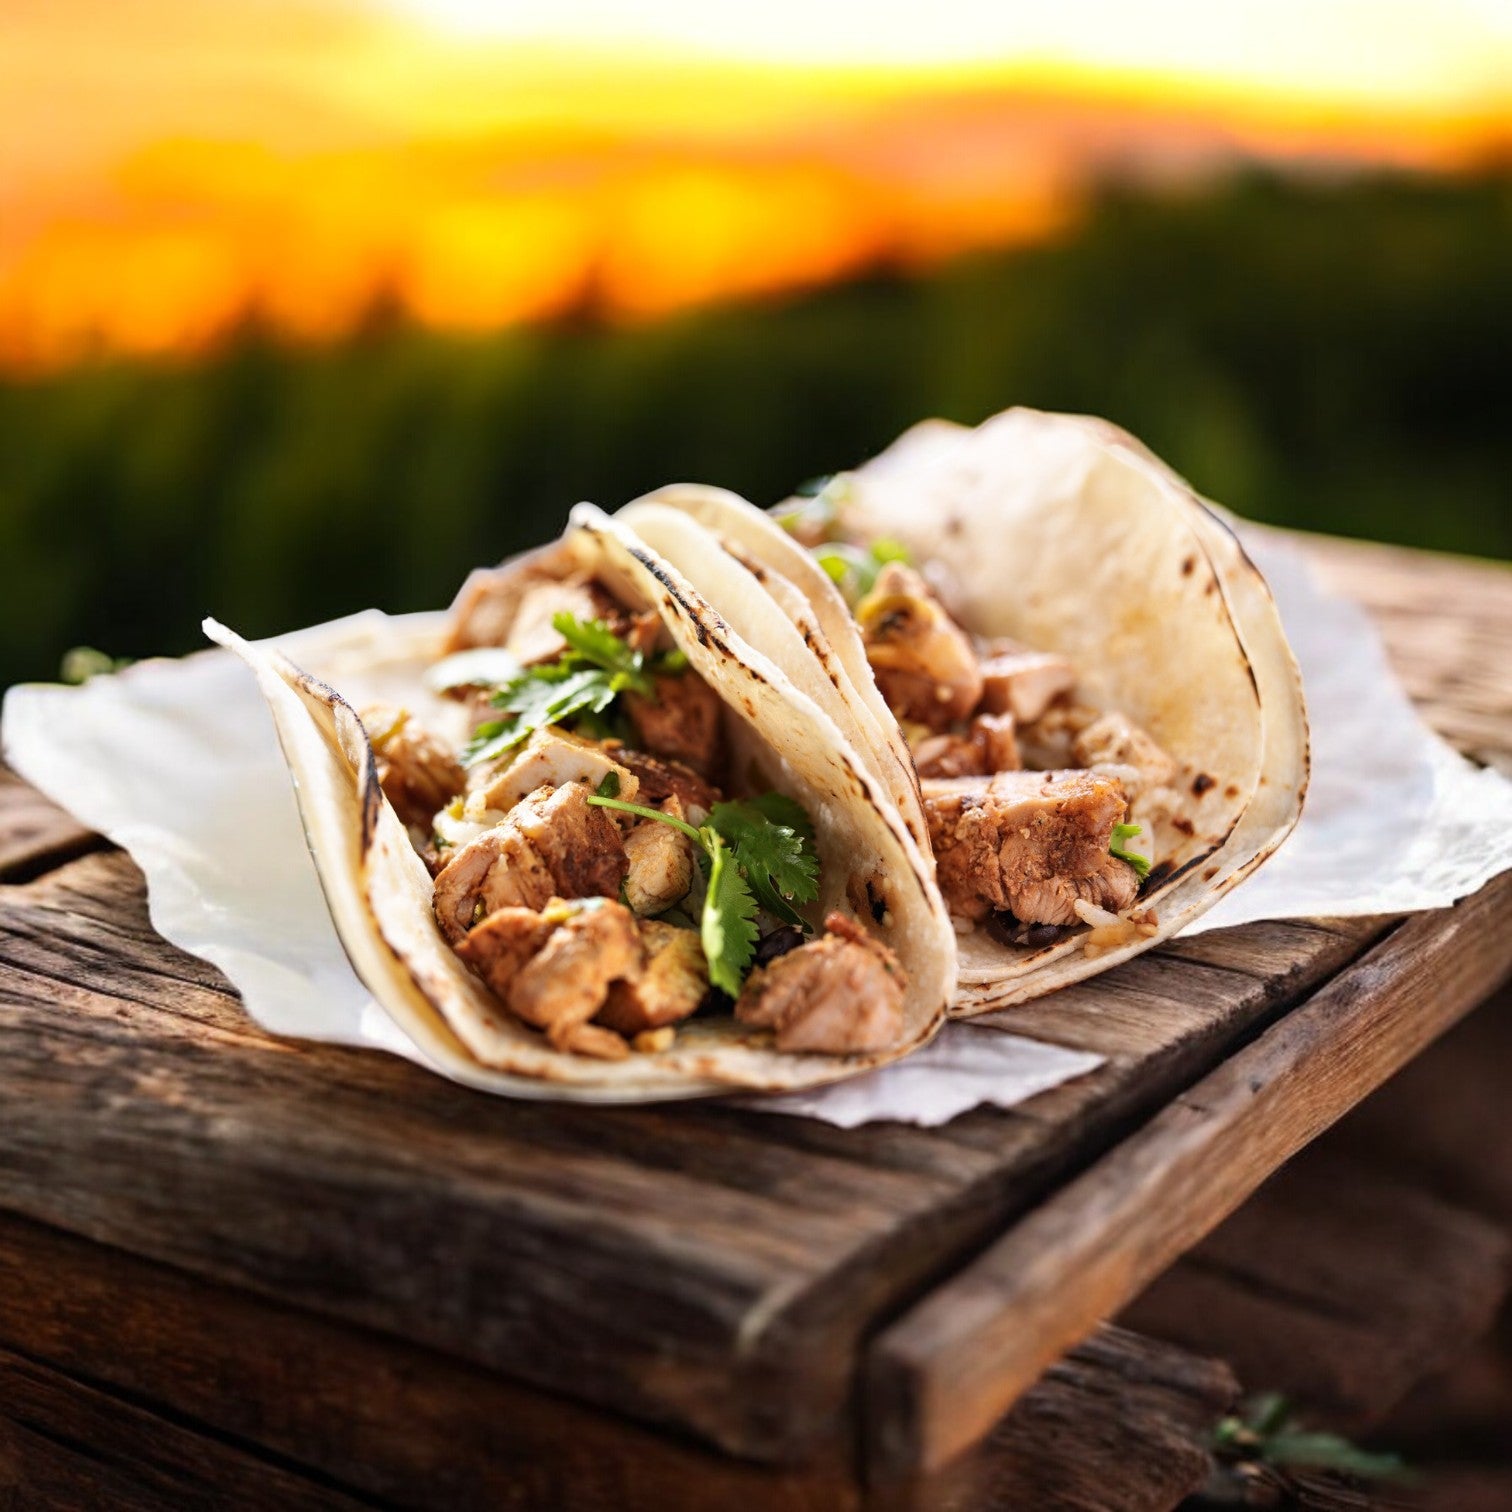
{"type": "Point", "coordinates": [728, 928]}
{"type": "Point", "coordinates": [593, 642]}
{"type": "Point", "coordinates": [581, 684]}
{"type": "Point", "coordinates": [1121, 833]}
{"type": "Point", "coordinates": [756, 852]}
{"type": "Point", "coordinates": [777, 858]}
{"type": "Point", "coordinates": [534, 700]}
{"type": "Point", "coordinates": [852, 569]}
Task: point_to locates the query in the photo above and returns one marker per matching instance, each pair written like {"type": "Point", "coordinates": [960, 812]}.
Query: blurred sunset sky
{"type": "Point", "coordinates": [168, 166]}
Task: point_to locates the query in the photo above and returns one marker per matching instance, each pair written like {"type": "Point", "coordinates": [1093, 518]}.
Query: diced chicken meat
{"type": "Point", "coordinates": [1022, 682]}
{"type": "Point", "coordinates": [988, 744]}
{"type": "Point", "coordinates": [923, 661]}
{"type": "Point", "coordinates": [552, 843]}
{"type": "Point", "coordinates": [555, 968]}
{"type": "Point", "coordinates": [683, 720]}
{"type": "Point", "coordinates": [661, 863]}
{"type": "Point", "coordinates": [672, 984]}
{"type": "Point", "coordinates": [841, 994]}
{"type": "Point", "coordinates": [418, 772]}
{"type": "Point", "coordinates": [1045, 744]}
{"type": "Point", "coordinates": [551, 757]}
{"type": "Point", "coordinates": [533, 638]}
{"type": "Point", "coordinates": [1030, 843]}
{"type": "Point", "coordinates": [661, 778]}
{"type": "Point", "coordinates": [1114, 741]}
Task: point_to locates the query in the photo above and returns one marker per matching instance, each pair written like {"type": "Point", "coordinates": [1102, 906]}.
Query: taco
{"type": "Point", "coordinates": [581, 839]}
{"type": "Point", "coordinates": [1088, 675]}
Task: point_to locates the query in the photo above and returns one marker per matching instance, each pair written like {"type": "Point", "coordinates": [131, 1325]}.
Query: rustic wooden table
{"type": "Point", "coordinates": [239, 1271]}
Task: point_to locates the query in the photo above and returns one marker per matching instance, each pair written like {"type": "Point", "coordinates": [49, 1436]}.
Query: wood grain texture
{"type": "Point", "coordinates": [1120, 1424]}
{"type": "Point", "coordinates": [707, 1267]}
{"type": "Point", "coordinates": [66, 1446]}
{"type": "Point", "coordinates": [939, 1377]}
{"type": "Point", "coordinates": [1341, 1282]}
{"type": "Point", "coordinates": [35, 833]}
{"type": "Point", "coordinates": [1447, 623]}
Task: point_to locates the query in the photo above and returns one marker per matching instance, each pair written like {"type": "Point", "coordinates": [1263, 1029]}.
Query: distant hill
{"type": "Point", "coordinates": [1333, 356]}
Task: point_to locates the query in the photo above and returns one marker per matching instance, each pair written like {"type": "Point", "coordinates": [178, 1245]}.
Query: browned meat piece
{"type": "Point", "coordinates": [1115, 741]}
{"type": "Point", "coordinates": [1114, 886]}
{"type": "Point", "coordinates": [533, 638]}
{"type": "Point", "coordinates": [418, 772]}
{"type": "Point", "coordinates": [661, 779]}
{"type": "Point", "coordinates": [483, 609]}
{"type": "Point", "coordinates": [1028, 842]}
{"type": "Point", "coordinates": [552, 843]}
{"type": "Point", "coordinates": [500, 944]}
{"type": "Point", "coordinates": [1045, 743]}
{"type": "Point", "coordinates": [502, 606]}
{"type": "Point", "coordinates": [841, 994]}
{"type": "Point", "coordinates": [551, 757]}
{"type": "Point", "coordinates": [661, 863]}
{"type": "Point", "coordinates": [923, 661]}
{"type": "Point", "coordinates": [672, 985]}
{"type": "Point", "coordinates": [554, 969]}
{"type": "Point", "coordinates": [683, 720]}
{"type": "Point", "coordinates": [1021, 682]}
{"type": "Point", "coordinates": [987, 745]}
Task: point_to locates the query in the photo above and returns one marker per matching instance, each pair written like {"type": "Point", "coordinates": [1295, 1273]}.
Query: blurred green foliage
{"type": "Point", "coordinates": [1336, 356]}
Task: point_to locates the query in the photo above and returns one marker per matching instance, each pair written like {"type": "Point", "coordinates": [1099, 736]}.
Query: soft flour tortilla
{"type": "Point", "coordinates": [379, 890]}
{"type": "Point", "coordinates": [1064, 533]}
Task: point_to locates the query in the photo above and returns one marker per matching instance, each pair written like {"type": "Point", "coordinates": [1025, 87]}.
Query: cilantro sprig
{"type": "Point", "coordinates": [1122, 833]}
{"type": "Point", "coordinates": [580, 685]}
{"type": "Point", "coordinates": [757, 853]}
{"type": "Point", "coordinates": [854, 569]}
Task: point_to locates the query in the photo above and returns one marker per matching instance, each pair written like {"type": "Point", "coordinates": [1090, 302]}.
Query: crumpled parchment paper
{"type": "Point", "coordinates": [176, 761]}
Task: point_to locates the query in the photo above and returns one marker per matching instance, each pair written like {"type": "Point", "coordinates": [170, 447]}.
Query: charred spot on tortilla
{"type": "Point", "coordinates": [1231, 791]}
{"type": "Point", "coordinates": [1202, 783]}
{"type": "Point", "coordinates": [1182, 825]}
{"type": "Point", "coordinates": [1161, 873]}
{"type": "Point", "coordinates": [1188, 566]}
{"type": "Point", "coordinates": [1210, 873]}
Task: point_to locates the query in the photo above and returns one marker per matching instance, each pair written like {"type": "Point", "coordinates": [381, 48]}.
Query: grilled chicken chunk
{"type": "Point", "coordinates": [661, 863]}
{"type": "Point", "coordinates": [417, 771]}
{"type": "Point", "coordinates": [923, 661]}
{"type": "Point", "coordinates": [841, 994]}
{"type": "Point", "coordinates": [554, 969]}
{"type": "Point", "coordinates": [550, 757]}
{"type": "Point", "coordinates": [1115, 742]}
{"type": "Point", "coordinates": [673, 983]}
{"type": "Point", "coordinates": [533, 638]}
{"type": "Point", "coordinates": [552, 843]}
{"type": "Point", "coordinates": [1028, 842]}
{"type": "Point", "coordinates": [661, 778]}
{"type": "Point", "coordinates": [987, 745]}
{"type": "Point", "coordinates": [1021, 682]}
{"type": "Point", "coordinates": [682, 721]}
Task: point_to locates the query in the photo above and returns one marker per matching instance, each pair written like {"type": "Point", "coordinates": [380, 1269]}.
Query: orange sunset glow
{"type": "Point", "coordinates": [168, 166]}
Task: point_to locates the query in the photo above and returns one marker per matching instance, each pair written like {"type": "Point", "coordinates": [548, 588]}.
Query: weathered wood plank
{"type": "Point", "coordinates": [1120, 1424]}
{"type": "Point", "coordinates": [579, 1241]}
{"type": "Point", "coordinates": [1339, 1283]}
{"type": "Point", "coordinates": [34, 832]}
{"type": "Point", "coordinates": [65, 1446]}
{"type": "Point", "coordinates": [939, 1377]}
{"type": "Point", "coordinates": [374, 1414]}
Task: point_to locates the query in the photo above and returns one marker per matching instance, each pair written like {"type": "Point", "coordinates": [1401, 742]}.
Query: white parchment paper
{"type": "Point", "coordinates": [176, 761]}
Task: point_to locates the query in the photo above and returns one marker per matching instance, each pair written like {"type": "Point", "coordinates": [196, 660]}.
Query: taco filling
{"type": "Point", "coordinates": [1042, 809]}
{"type": "Point", "coordinates": [599, 863]}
